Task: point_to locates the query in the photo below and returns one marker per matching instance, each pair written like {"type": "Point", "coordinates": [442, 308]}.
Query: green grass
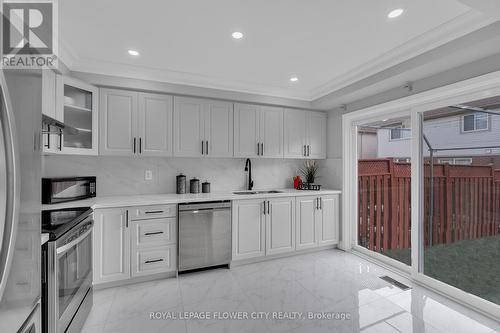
{"type": "Point", "coordinates": [470, 265]}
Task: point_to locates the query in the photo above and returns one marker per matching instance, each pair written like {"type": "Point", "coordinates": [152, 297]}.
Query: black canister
{"type": "Point", "coordinates": [205, 187]}
{"type": "Point", "coordinates": [181, 184]}
{"type": "Point", "coordinates": [194, 185]}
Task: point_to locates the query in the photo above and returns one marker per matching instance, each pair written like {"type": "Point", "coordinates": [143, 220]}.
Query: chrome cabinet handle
{"type": "Point", "coordinates": [308, 150]}
{"type": "Point", "coordinates": [202, 147]}
{"type": "Point", "coordinates": [153, 261]}
{"type": "Point", "coordinates": [262, 149]}
{"type": "Point", "coordinates": [135, 145]}
{"type": "Point", "coordinates": [126, 219]}
{"type": "Point", "coordinates": [321, 203]}
{"type": "Point", "coordinates": [206, 150]}
{"type": "Point", "coordinates": [154, 212]}
{"type": "Point", "coordinates": [258, 149]}
{"type": "Point", "coordinates": [140, 145]}
{"type": "Point", "coordinates": [305, 150]}
{"type": "Point", "coordinates": [153, 233]}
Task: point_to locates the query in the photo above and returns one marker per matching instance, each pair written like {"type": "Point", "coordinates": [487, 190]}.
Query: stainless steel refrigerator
{"type": "Point", "coordinates": [20, 202]}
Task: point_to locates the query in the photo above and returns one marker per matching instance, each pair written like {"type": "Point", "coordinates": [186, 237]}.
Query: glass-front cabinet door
{"type": "Point", "coordinates": [79, 103]}
{"type": "Point", "coordinates": [74, 104]}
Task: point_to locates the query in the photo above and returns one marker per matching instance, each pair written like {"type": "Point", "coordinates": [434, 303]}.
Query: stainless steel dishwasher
{"type": "Point", "coordinates": [204, 235]}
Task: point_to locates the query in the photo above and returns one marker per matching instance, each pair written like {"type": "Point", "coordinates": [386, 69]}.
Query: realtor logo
{"type": "Point", "coordinates": [29, 34]}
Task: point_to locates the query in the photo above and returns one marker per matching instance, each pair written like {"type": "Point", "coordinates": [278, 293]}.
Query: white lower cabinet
{"type": "Point", "coordinates": [317, 221]}
{"type": "Point", "coordinates": [153, 246]}
{"type": "Point", "coordinates": [111, 239]}
{"type": "Point", "coordinates": [263, 227]}
{"type": "Point", "coordinates": [329, 220]}
{"type": "Point", "coordinates": [306, 226]}
{"type": "Point", "coordinates": [280, 225]}
{"type": "Point", "coordinates": [248, 229]}
{"type": "Point", "coordinates": [130, 244]}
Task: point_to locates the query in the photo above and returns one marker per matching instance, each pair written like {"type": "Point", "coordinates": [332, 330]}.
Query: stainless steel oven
{"type": "Point", "coordinates": [67, 282]}
{"type": "Point", "coordinates": [57, 190]}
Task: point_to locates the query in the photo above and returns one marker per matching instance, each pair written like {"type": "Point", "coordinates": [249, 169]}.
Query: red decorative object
{"type": "Point", "coordinates": [296, 182]}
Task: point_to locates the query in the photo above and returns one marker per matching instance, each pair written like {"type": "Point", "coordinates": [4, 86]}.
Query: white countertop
{"type": "Point", "coordinates": [172, 198]}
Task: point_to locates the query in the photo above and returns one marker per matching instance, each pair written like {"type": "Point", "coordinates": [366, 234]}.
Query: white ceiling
{"type": "Point", "coordinates": [327, 44]}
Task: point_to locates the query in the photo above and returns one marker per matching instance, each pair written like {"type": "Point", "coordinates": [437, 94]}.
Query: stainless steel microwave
{"type": "Point", "coordinates": [57, 190]}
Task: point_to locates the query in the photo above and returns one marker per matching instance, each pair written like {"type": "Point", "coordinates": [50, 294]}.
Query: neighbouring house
{"type": "Point", "coordinates": [476, 136]}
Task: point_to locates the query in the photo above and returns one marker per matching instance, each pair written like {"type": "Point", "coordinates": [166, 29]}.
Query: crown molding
{"type": "Point", "coordinates": [453, 29]}
{"type": "Point", "coordinates": [184, 78]}
{"type": "Point", "coordinates": [460, 26]}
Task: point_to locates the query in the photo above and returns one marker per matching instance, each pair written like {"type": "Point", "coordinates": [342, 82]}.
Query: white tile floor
{"type": "Point", "coordinates": [327, 281]}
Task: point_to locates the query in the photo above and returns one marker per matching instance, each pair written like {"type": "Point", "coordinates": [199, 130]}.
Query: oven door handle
{"type": "Point", "coordinates": [69, 245]}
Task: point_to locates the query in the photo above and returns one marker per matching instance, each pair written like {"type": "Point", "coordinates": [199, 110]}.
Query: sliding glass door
{"type": "Point", "coordinates": [384, 187]}
{"type": "Point", "coordinates": [422, 189]}
{"type": "Point", "coordinates": [461, 197]}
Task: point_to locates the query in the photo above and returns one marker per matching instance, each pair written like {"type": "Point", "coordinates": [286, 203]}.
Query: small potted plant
{"type": "Point", "coordinates": [309, 171]}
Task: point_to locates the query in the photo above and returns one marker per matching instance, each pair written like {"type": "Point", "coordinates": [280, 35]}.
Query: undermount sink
{"type": "Point", "coordinates": [257, 192]}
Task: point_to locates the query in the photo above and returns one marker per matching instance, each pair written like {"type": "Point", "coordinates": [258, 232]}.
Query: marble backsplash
{"type": "Point", "coordinates": [125, 175]}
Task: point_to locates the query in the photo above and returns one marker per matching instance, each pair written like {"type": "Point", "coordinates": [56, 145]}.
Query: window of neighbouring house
{"type": "Point", "coordinates": [475, 122]}
{"type": "Point", "coordinates": [400, 133]}
{"type": "Point", "coordinates": [456, 161]}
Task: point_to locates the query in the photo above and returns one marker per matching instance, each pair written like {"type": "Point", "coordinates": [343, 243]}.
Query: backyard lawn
{"type": "Point", "coordinates": [470, 265]}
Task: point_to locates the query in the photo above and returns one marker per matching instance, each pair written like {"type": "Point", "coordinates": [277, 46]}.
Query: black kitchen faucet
{"type": "Point", "coordinates": [248, 167]}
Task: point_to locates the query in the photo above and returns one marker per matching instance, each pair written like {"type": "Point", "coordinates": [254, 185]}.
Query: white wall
{"type": "Point", "coordinates": [125, 175]}
{"type": "Point", "coordinates": [331, 168]}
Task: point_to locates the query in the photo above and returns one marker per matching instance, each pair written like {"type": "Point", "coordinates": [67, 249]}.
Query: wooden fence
{"type": "Point", "coordinates": [466, 203]}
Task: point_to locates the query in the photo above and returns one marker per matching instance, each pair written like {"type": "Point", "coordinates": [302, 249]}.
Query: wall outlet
{"type": "Point", "coordinates": [148, 175]}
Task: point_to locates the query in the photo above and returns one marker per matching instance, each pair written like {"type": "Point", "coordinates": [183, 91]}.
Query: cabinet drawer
{"type": "Point", "coordinates": [157, 260]}
{"type": "Point", "coordinates": [148, 212]}
{"type": "Point", "coordinates": [154, 232]}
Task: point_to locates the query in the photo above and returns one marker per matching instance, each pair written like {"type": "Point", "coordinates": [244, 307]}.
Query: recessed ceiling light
{"type": "Point", "coordinates": [294, 79]}
{"type": "Point", "coordinates": [133, 53]}
{"type": "Point", "coordinates": [395, 13]}
{"type": "Point", "coordinates": [237, 35]}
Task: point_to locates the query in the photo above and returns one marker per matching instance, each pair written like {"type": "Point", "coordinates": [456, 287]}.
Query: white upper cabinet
{"type": "Point", "coordinates": [155, 125]}
{"type": "Point", "coordinates": [246, 130]}
{"type": "Point", "coordinates": [316, 134]}
{"type": "Point", "coordinates": [52, 143]}
{"type": "Point", "coordinates": [188, 127]}
{"type": "Point", "coordinates": [295, 136]}
{"type": "Point", "coordinates": [74, 103]}
{"type": "Point", "coordinates": [258, 131]}
{"type": "Point", "coordinates": [219, 129]}
{"type": "Point", "coordinates": [134, 124]}
{"type": "Point", "coordinates": [49, 95]}
{"type": "Point", "coordinates": [271, 131]}
{"type": "Point", "coordinates": [202, 128]}
{"type": "Point", "coordinates": [79, 101]}
{"type": "Point", "coordinates": [118, 122]}
{"type": "Point", "coordinates": [305, 134]}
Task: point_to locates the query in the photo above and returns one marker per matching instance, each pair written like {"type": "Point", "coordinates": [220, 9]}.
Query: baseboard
{"type": "Point", "coordinates": [236, 263]}
{"type": "Point", "coordinates": [139, 279]}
